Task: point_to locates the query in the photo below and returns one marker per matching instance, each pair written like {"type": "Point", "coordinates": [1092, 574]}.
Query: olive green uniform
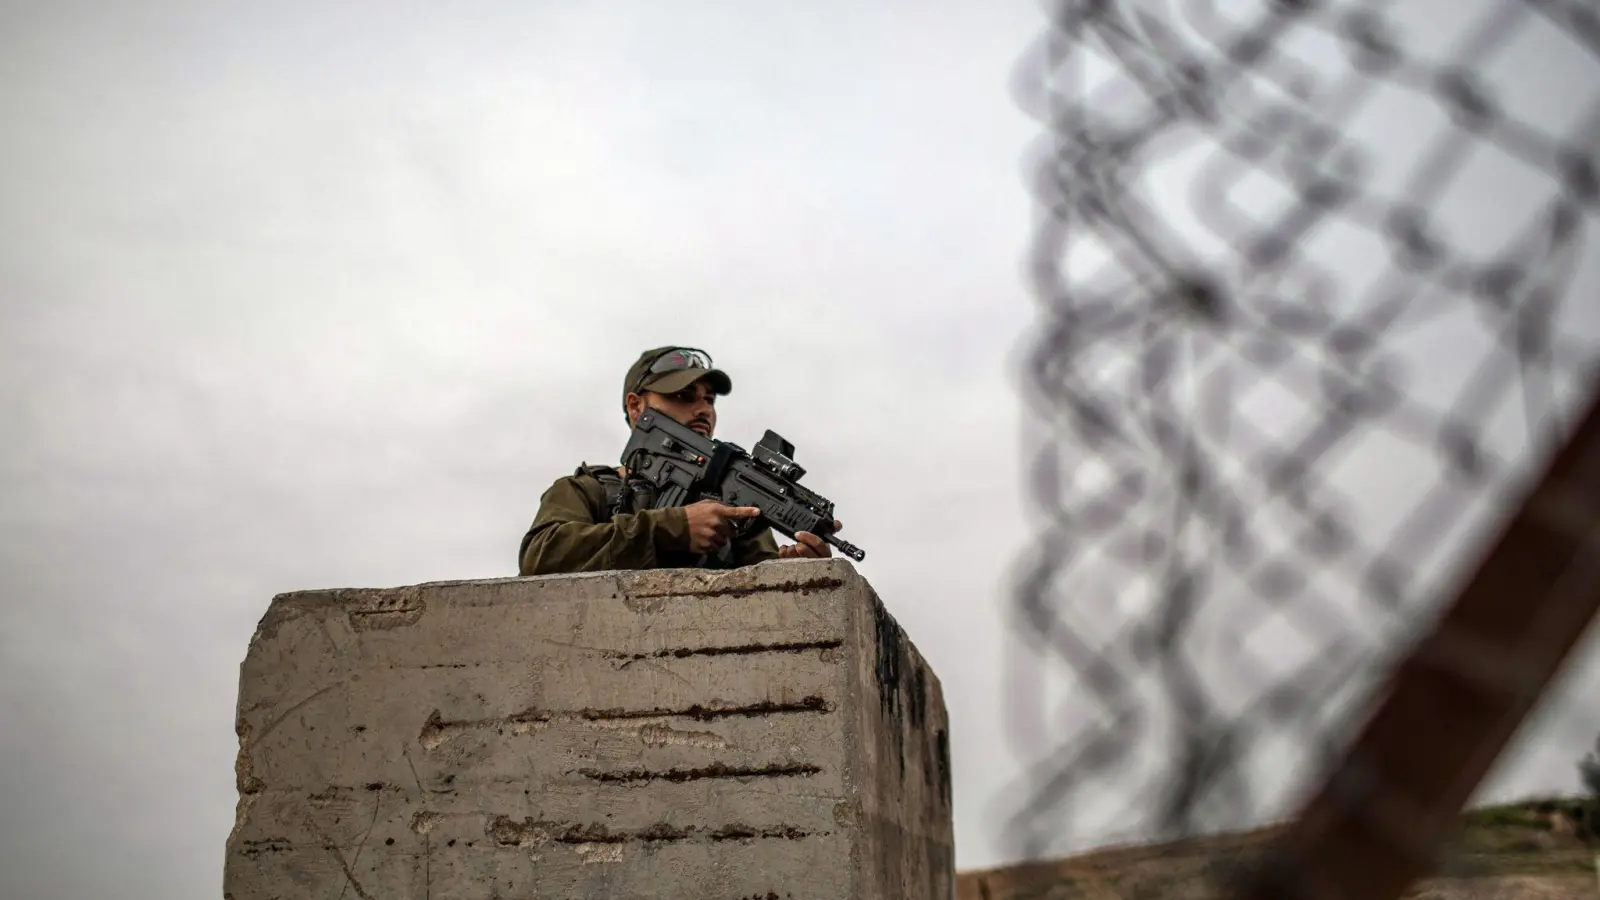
{"type": "Point", "coordinates": [571, 533]}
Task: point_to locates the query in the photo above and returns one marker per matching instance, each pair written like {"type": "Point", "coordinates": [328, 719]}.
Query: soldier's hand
{"type": "Point", "coordinates": [808, 546]}
{"type": "Point", "coordinates": [711, 523]}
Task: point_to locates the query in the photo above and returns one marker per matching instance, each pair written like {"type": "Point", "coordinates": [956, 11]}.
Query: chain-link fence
{"type": "Point", "coordinates": [1320, 295]}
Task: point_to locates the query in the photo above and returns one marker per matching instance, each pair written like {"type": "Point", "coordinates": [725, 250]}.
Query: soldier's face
{"type": "Point", "coordinates": [695, 407]}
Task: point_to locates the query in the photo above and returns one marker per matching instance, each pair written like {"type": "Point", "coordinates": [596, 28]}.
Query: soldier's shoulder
{"type": "Point", "coordinates": [593, 481]}
{"type": "Point", "coordinates": [583, 488]}
{"type": "Point", "coordinates": [595, 474]}
{"type": "Point", "coordinates": [591, 471]}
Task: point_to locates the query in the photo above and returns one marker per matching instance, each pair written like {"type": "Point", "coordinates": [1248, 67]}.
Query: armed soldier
{"type": "Point", "coordinates": [585, 522]}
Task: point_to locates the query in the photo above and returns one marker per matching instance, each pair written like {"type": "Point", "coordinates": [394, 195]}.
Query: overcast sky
{"type": "Point", "coordinates": [304, 295]}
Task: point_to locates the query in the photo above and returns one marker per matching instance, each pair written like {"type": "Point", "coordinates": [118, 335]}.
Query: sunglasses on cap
{"type": "Point", "coordinates": [675, 360]}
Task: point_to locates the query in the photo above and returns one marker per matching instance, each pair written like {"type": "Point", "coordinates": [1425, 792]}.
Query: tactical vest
{"type": "Point", "coordinates": [616, 496]}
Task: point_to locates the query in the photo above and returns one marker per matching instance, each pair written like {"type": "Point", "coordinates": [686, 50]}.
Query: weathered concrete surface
{"type": "Point", "coordinates": [762, 733]}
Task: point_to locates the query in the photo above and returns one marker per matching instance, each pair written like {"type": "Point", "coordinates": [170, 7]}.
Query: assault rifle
{"type": "Point", "coordinates": [680, 466]}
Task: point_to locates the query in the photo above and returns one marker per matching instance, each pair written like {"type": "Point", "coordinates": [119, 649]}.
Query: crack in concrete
{"type": "Point", "coordinates": [437, 730]}
{"type": "Point", "coordinates": [801, 587]}
{"type": "Point", "coordinates": [377, 804]}
{"type": "Point", "coordinates": [508, 832]}
{"type": "Point", "coordinates": [256, 739]}
{"type": "Point", "coordinates": [698, 774]}
{"type": "Point", "coordinates": [256, 848]}
{"type": "Point", "coordinates": [739, 650]}
{"type": "Point", "coordinates": [333, 850]}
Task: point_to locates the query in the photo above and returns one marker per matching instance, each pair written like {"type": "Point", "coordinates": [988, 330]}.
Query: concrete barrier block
{"type": "Point", "coordinates": [766, 732]}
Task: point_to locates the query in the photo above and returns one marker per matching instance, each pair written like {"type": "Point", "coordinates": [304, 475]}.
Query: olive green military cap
{"type": "Point", "coordinates": [667, 370]}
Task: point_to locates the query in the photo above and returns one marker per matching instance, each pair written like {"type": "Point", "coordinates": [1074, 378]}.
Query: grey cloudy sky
{"type": "Point", "coordinates": [305, 295]}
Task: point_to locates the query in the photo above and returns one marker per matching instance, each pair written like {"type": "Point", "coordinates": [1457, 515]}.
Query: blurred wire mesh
{"type": "Point", "coordinates": [1319, 290]}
